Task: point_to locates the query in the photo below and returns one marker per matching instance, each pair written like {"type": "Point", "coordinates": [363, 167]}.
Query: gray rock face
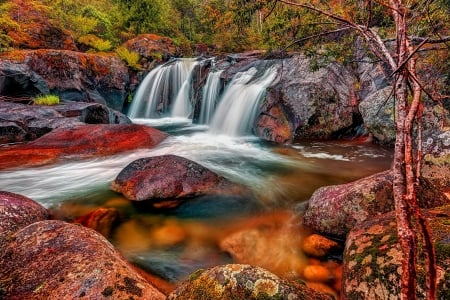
{"type": "Point", "coordinates": [312, 104]}
{"type": "Point", "coordinates": [378, 112]}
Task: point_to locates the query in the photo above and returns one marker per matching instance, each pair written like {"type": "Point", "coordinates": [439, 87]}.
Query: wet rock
{"type": "Point", "coordinates": [16, 212]}
{"type": "Point", "coordinates": [334, 210]}
{"type": "Point", "coordinates": [372, 258]}
{"type": "Point", "coordinates": [170, 177]}
{"type": "Point", "coordinates": [67, 262]}
{"type": "Point", "coordinates": [11, 132]}
{"type": "Point", "coordinates": [268, 242]}
{"type": "Point", "coordinates": [80, 142]}
{"type": "Point", "coordinates": [241, 282]}
{"type": "Point", "coordinates": [318, 246]}
{"type": "Point", "coordinates": [101, 220]}
{"type": "Point", "coordinates": [316, 273]}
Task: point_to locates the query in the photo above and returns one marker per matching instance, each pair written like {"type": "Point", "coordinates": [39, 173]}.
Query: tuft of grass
{"type": "Point", "coordinates": [46, 100]}
{"type": "Point", "coordinates": [129, 57]}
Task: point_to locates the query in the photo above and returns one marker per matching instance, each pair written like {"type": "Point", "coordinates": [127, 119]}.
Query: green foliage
{"type": "Point", "coordinates": [6, 24]}
{"type": "Point", "coordinates": [46, 100]}
{"type": "Point", "coordinates": [129, 57]}
{"type": "Point", "coordinates": [95, 43]}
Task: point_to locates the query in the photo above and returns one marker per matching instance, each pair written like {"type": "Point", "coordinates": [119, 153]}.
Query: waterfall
{"type": "Point", "coordinates": [211, 91]}
{"type": "Point", "coordinates": [158, 89]}
{"type": "Point", "coordinates": [238, 106]}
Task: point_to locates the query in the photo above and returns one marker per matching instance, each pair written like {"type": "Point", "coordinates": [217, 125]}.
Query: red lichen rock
{"type": "Point", "coordinates": [152, 46]}
{"type": "Point", "coordinates": [170, 177]}
{"type": "Point", "coordinates": [239, 282]}
{"type": "Point", "coordinates": [318, 246]}
{"type": "Point", "coordinates": [80, 142]}
{"type": "Point", "coordinates": [101, 220]}
{"type": "Point", "coordinates": [16, 212]}
{"type": "Point", "coordinates": [58, 260]}
{"type": "Point", "coordinates": [373, 258]}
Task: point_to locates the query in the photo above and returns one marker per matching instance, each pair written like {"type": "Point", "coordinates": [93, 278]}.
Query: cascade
{"type": "Point", "coordinates": [211, 92]}
{"type": "Point", "coordinates": [160, 86]}
{"type": "Point", "coordinates": [236, 112]}
{"type": "Point", "coordinates": [182, 106]}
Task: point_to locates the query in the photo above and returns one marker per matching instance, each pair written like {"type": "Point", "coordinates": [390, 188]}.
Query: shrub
{"type": "Point", "coordinates": [129, 57]}
{"type": "Point", "coordinates": [46, 100]}
{"type": "Point", "coordinates": [95, 42]}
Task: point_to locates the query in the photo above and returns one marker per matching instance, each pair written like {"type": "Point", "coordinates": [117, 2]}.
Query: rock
{"type": "Point", "coordinates": [152, 47]}
{"type": "Point", "coordinates": [57, 260]}
{"type": "Point", "coordinates": [372, 258]}
{"type": "Point", "coordinates": [101, 220]}
{"type": "Point", "coordinates": [74, 76]}
{"type": "Point", "coordinates": [377, 110]}
{"type": "Point", "coordinates": [335, 210]}
{"type": "Point", "coordinates": [241, 282]}
{"type": "Point", "coordinates": [11, 132]}
{"type": "Point", "coordinates": [434, 189]}
{"type": "Point", "coordinates": [16, 212]}
{"type": "Point", "coordinates": [170, 177]}
{"type": "Point", "coordinates": [317, 273]}
{"type": "Point", "coordinates": [318, 246]}
{"type": "Point", "coordinates": [36, 28]}
{"type": "Point", "coordinates": [267, 242]}
{"type": "Point", "coordinates": [80, 142]}
{"type": "Point", "coordinates": [307, 104]}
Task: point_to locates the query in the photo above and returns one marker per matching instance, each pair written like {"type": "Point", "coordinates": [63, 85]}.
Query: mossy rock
{"type": "Point", "coordinates": [372, 258]}
{"type": "Point", "coordinates": [235, 281]}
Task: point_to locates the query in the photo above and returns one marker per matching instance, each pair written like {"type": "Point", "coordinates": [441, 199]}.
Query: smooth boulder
{"type": "Point", "coordinates": [170, 177]}
{"type": "Point", "coordinates": [58, 260]}
{"type": "Point", "coordinates": [16, 212]}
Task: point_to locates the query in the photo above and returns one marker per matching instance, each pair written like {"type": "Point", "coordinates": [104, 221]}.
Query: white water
{"type": "Point", "coordinates": [182, 106]}
{"type": "Point", "coordinates": [161, 87]}
{"type": "Point", "coordinates": [211, 92]}
{"type": "Point", "coordinates": [239, 104]}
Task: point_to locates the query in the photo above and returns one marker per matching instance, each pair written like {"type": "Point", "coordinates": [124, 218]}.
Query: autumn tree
{"type": "Point", "coordinates": [415, 26]}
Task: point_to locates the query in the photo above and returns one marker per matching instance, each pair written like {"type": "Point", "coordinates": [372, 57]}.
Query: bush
{"type": "Point", "coordinates": [95, 42]}
{"type": "Point", "coordinates": [46, 100]}
{"type": "Point", "coordinates": [129, 57]}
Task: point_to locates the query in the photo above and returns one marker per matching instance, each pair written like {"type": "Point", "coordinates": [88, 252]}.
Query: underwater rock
{"type": "Point", "coordinates": [16, 212]}
{"type": "Point", "coordinates": [58, 260]}
{"type": "Point", "coordinates": [239, 282]}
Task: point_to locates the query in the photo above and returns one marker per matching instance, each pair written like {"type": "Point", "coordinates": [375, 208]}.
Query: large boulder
{"type": "Point", "coordinates": [239, 282]}
{"type": "Point", "coordinates": [335, 210]}
{"type": "Point", "coordinates": [372, 258]}
{"type": "Point", "coordinates": [57, 260]}
{"type": "Point", "coordinates": [16, 212]}
{"type": "Point", "coordinates": [80, 142]}
{"type": "Point", "coordinates": [170, 177]}
{"type": "Point", "coordinates": [74, 76]}
{"type": "Point", "coordinates": [152, 47]}
{"type": "Point", "coordinates": [308, 104]}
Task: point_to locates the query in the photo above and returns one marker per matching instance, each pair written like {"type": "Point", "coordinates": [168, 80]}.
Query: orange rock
{"type": "Point", "coordinates": [316, 273]}
{"type": "Point", "coordinates": [169, 234]}
{"type": "Point", "coordinates": [80, 142]}
{"type": "Point", "coordinates": [317, 245]}
{"type": "Point", "coordinates": [323, 288]}
{"type": "Point", "coordinates": [101, 220]}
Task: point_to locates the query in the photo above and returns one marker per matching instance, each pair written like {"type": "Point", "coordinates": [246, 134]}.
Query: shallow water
{"type": "Point", "coordinates": [174, 243]}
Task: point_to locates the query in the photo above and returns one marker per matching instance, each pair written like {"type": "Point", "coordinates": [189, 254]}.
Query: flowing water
{"type": "Point", "coordinates": [172, 243]}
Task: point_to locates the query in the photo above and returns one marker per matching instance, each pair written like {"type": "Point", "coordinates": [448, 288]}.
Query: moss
{"type": "Point", "coordinates": [196, 274]}
{"type": "Point", "coordinates": [439, 161]}
{"type": "Point", "coordinates": [46, 100]}
{"type": "Point", "coordinates": [442, 251]}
